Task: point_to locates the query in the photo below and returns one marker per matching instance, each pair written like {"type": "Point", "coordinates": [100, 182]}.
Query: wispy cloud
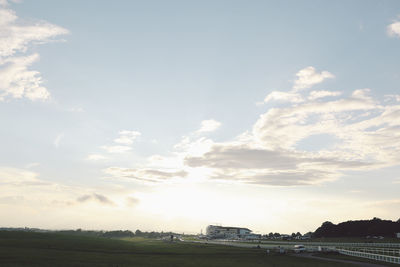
{"type": "Point", "coordinates": [96, 157]}
{"type": "Point", "coordinates": [146, 175]}
{"type": "Point", "coordinates": [32, 165]}
{"type": "Point", "coordinates": [122, 144]}
{"type": "Point", "coordinates": [116, 149]}
{"type": "Point", "coordinates": [17, 80]}
{"type": "Point", "coordinates": [127, 137]}
{"type": "Point", "coordinates": [58, 139]}
{"type": "Point", "coordinates": [20, 177]}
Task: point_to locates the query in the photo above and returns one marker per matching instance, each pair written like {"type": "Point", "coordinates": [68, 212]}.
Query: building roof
{"type": "Point", "coordinates": [231, 227]}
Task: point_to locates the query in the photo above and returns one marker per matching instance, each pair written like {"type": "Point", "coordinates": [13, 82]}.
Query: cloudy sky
{"type": "Point", "coordinates": [172, 115]}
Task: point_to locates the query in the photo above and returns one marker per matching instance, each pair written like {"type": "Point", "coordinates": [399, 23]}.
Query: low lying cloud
{"type": "Point", "coordinates": [20, 177]}
{"type": "Point", "coordinates": [272, 167]}
{"type": "Point", "coordinates": [132, 201]}
{"type": "Point", "coordinates": [17, 80]}
{"type": "Point", "coordinates": [95, 197]}
{"type": "Point", "coordinates": [146, 175]}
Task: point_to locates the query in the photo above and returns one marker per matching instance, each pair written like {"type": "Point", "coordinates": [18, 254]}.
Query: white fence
{"type": "Point", "coordinates": [387, 252]}
{"type": "Point", "coordinates": [326, 244]}
{"type": "Point", "coordinates": [372, 256]}
{"type": "Point", "coordinates": [380, 251]}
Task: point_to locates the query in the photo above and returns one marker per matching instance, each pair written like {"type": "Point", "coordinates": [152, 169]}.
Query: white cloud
{"type": "Point", "coordinates": [392, 97]}
{"type": "Point", "coordinates": [209, 126]}
{"type": "Point", "coordinates": [365, 132]}
{"type": "Point", "coordinates": [58, 139]}
{"type": "Point", "coordinates": [394, 29]}
{"type": "Point", "coordinates": [321, 94]}
{"type": "Point", "coordinates": [308, 77]}
{"type": "Point", "coordinates": [284, 97]}
{"type": "Point", "coordinates": [96, 157]}
{"type": "Point", "coordinates": [127, 137]}
{"type": "Point", "coordinates": [116, 149]}
{"type": "Point", "coordinates": [17, 81]}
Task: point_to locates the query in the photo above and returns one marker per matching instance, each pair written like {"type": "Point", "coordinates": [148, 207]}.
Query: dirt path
{"type": "Point", "coordinates": [358, 263]}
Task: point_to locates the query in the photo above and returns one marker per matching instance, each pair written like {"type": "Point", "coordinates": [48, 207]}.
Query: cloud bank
{"type": "Point", "coordinates": [366, 134]}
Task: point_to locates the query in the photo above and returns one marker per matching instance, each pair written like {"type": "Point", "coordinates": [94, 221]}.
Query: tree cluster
{"type": "Point", "coordinates": [361, 228]}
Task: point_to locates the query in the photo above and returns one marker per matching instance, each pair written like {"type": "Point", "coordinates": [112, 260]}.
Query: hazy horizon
{"type": "Point", "coordinates": [173, 115]}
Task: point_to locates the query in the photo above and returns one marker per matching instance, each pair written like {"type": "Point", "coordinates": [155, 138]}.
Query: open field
{"type": "Point", "coordinates": [52, 249]}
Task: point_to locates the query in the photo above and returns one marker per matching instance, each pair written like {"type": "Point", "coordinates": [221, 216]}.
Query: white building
{"type": "Point", "coordinates": [398, 235]}
{"type": "Point", "coordinates": [215, 231]}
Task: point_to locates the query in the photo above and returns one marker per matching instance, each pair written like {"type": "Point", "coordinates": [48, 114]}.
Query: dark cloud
{"type": "Point", "coordinates": [102, 199]}
{"type": "Point", "coordinates": [96, 197]}
{"type": "Point", "coordinates": [270, 167]}
{"type": "Point", "coordinates": [84, 198]}
{"type": "Point", "coordinates": [242, 157]}
{"type": "Point", "coordinates": [132, 201]}
{"type": "Point", "coordinates": [293, 178]}
{"type": "Point", "coordinates": [147, 175]}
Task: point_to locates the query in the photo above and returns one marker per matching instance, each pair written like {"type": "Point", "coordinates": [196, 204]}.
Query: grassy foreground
{"type": "Point", "coordinates": [52, 249]}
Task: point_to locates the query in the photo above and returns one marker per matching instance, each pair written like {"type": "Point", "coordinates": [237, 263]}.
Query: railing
{"type": "Point", "coordinates": [380, 251]}
{"type": "Point", "coordinates": [372, 256]}
{"type": "Point", "coordinates": [386, 254]}
{"type": "Point", "coordinates": [341, 244]}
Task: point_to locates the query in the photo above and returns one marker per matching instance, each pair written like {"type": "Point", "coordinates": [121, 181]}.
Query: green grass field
{"type": "Point", "coordinates": [52, 249]}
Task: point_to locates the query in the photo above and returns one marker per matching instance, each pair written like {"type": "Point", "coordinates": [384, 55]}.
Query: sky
{"type": "Point", "coordinates": [173, 115]}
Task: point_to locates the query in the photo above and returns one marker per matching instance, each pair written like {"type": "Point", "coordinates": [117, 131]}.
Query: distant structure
{"type": "Point", "coordinates": [398, 235]}
{"type": "Point", "coordinates": [228, 232]}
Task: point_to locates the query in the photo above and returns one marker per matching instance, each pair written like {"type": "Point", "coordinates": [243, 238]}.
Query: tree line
{"type": "Point", "coordinates": [360, 228]}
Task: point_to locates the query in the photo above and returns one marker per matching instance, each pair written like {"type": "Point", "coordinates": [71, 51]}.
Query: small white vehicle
{"type": "Point", "coordinates": [299, 248]}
